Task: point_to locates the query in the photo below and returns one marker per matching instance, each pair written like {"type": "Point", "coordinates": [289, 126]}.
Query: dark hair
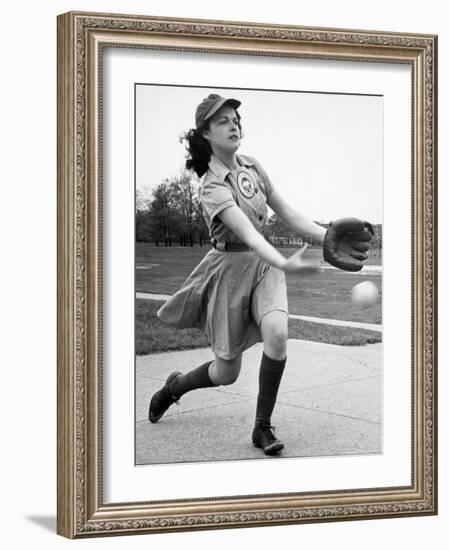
{"type": "Point", "coordinates": [198, 148]}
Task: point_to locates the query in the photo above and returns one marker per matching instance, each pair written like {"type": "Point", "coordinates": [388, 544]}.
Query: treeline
{"type": "Point", "coordinates": [172, 215]}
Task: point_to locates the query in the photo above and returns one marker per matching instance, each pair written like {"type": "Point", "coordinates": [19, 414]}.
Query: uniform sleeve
{"type": "Point", "coordinates": [267, 183]}
{"type": "Point", "coordinates": [216, 197]}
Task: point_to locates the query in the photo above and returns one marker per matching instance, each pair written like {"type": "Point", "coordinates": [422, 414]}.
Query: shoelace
{"type": "Point", "coordinates": [270, 428]}
{"type": "Point", "coordinates": [175, 399]}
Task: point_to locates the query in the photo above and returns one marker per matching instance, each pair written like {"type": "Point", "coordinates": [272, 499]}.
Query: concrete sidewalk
{"type": "Point", "coordinates": [329, 403]}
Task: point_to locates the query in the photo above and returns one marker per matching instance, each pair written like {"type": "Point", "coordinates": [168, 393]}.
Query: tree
{"type": "Point", "coordinates": [172, 212]}
{"type": "Point", "coordinates": [143, 199]}
{"type": "Point", "coordinates": [162, 214]}
{"type": "Point", "coordinates": [200, 224]}
{"type": "Point", "coordinates": [184, 190]}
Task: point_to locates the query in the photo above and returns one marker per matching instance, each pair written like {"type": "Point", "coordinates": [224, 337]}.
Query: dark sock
{"type": "Point", "coordinates": [196, 378]}
{"type": "Point", "coordinates": [270, 375]}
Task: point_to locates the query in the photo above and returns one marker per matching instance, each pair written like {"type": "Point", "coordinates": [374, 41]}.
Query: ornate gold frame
{"type": "Point", "coordinates": [81, 37]}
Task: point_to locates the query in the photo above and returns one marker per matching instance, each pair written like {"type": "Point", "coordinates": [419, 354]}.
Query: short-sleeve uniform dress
{"type": "Point", "coordinates": [230, 291]}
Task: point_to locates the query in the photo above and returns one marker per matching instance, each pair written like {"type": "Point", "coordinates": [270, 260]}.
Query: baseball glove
{"type": "Point", "coordinates": [346, 243]}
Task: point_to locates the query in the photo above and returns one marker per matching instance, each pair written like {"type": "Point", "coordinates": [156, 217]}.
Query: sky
{"type": "Point", "coordinates": [323, 152]}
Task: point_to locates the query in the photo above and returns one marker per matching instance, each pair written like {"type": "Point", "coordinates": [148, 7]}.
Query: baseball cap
{"type": "Point", "coordinates": [210, 105]}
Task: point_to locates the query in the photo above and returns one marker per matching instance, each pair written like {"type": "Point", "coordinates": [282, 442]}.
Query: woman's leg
{"type": "Point", "coordinates": [212, 373]}
{"type": "Point", "coordinates": [225, 371]}
{"type": "Point", "coordinates": [274, 328]}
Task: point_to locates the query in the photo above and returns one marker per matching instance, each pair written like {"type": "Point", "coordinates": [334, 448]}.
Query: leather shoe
{"type": "Point", "coordinates": [162, 399]}
{"type": "Point", "coordinates": [265, 439]}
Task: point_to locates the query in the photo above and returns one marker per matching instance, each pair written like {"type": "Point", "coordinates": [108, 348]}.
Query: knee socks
{"type": "Point", "coordinates": [270, 375]}
{"type": "Point", "coordinates": [196, 378]}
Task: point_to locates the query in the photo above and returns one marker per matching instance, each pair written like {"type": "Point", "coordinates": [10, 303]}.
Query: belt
{"type": "Point", "coordinates": [231, 247]}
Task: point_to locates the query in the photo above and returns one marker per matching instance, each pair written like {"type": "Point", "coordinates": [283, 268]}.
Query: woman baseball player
{"type": "Point", "coordinates": [237, 294]}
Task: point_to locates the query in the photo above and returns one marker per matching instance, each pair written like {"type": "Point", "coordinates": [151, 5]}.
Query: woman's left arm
{"type": "Point", "coordinates": [294, 219]}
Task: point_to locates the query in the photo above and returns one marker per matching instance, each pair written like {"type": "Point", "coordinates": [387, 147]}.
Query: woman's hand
{"type": "Point", "coordinates": [296, 264]}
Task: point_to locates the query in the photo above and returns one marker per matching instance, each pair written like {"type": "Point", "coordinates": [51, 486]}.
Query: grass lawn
{"type": "Point", "coordinates": [153, 336]}
{"type": "Point", "coordinates": [162, 270]}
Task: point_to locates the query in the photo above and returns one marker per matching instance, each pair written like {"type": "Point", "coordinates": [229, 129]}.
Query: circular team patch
{"type": "Point", "coordinates": [246, 184]}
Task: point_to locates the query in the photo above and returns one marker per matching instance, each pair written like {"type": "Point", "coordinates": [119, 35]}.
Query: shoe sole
{"type": "Point", "coordinates": [153, 419]}
{"type": "Point", "coordinates": [273, 449]}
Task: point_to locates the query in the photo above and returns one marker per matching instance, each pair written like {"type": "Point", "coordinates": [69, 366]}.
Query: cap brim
{"type": "Point", "coordinates": [234, 103]}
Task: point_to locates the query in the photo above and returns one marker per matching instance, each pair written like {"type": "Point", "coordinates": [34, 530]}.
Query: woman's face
{"type": "Point", "coordinates": [224, 132]}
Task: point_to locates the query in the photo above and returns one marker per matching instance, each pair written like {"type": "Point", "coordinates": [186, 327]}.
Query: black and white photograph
{"type": "Point", "coordinates": [258, 274]}
{"type": "Point", "coordinates": [246, 274]}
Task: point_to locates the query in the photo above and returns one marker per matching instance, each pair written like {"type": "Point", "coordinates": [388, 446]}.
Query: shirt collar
{"type": "Point", "coordinates": [221, 170]}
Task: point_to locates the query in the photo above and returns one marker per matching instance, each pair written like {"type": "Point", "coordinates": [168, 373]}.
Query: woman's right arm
{"type": "Point", "coordinates": [240, 225]}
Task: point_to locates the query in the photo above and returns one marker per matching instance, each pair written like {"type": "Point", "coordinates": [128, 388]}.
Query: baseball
{"type": "Point", "coordinates": [365, 294]}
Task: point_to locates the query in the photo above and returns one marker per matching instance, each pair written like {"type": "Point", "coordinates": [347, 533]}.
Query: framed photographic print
{"type": "Point", "coordinates": [208, 174]}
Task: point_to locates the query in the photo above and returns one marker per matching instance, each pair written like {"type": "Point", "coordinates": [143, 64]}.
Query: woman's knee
{"type": "Point", "coordinates": [275, 335]}
{"type": "Point", "coordinates": [277, 341]}
{"type": "Point", "coordinates": [225, 371]}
